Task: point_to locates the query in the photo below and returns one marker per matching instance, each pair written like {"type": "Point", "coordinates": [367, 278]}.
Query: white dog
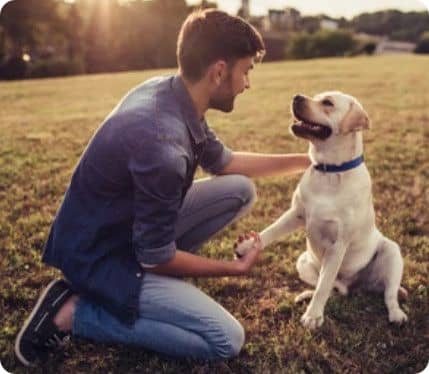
{"type": "Point", "coordinates": [334, 202]}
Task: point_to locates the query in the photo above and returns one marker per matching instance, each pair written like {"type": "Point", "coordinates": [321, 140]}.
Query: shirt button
{"type": "Point", "coordinates": [138, 275]}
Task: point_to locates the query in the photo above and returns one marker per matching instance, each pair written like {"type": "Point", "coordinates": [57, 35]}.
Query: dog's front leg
{"type": "Point", "coordinates": [331, 262]}
{"type": "Point", "coordinates": [288, 222]}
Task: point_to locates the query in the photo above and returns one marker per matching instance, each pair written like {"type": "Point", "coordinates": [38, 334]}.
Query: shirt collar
{"type": "Point", "coordinates": [195, 125]}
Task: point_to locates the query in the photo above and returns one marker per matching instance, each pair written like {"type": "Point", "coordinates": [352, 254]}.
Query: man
{"type": "Point", "coordinates": [132, 220]}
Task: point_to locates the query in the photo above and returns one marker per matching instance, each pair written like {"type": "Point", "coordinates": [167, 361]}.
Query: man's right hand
{"type": "Point", "coordinates": [250, 256]}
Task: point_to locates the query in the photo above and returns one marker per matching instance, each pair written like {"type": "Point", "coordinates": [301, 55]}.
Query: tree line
{"type": "Point", "coordinates": [58, 37]}
{"type": "Point", "coordinates": [89, 36]}
{"type": "Point", "coordinates": [397, 25]}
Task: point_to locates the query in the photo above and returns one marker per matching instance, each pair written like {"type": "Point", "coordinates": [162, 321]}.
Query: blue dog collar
{"type": "Point", "coordinates": [328, 168]}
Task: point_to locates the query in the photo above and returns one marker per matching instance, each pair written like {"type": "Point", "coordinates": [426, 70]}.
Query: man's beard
{"type": "Point", "coordinates": [223, 104]}
{"type": "Point", "coordinates": [224, 99]}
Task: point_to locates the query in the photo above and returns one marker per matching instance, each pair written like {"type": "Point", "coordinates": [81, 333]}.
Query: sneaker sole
{"type": "Point", "coordinates": [18, 353]}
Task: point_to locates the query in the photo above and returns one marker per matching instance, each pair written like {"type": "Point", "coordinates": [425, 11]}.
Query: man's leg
{"type": "Point", "coordinates": [187, 322]}
{"type": "Point", "coordinates": [209, 206]}
{"type": "Point", "coordinates": [176, 318]}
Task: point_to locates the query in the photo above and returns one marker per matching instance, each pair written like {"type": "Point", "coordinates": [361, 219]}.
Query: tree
{"type": "Point", "coordinates": [310, 24]}
{"type": "Point", "coordinates": [323, 43]}
{"type": "Point", "coordinates": [149, 38]}
{"type": "Point", "coordinates": [2, 43]}
{"type": "Point", "coordinates": [369, 48]}
{"type": "Point", "coordinates": [26, 26]}
{"type": "Point", "coordinates": [100, 34]}
{"type": "Point", "coordinates": [171, 14]}
{"type": "Point", "coordinates": [423, 45]}
{"type": "Point", "coordinates": [74, 26]}
{"type": "Point", "coordinates": [393, 23]}
{"type": "Point", "coordinates": [27, 29]}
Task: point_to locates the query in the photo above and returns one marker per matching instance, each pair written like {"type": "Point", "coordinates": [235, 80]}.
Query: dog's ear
{"type": "Point", "coordinates": [356, 119]}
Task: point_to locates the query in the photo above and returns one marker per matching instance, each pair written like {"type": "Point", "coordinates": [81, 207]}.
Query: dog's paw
{"type": "Point", "coordinates": [397, 316]}
{"type": "Point", "coordinates": [308, 294]}
{"type": "Point", "coordinates": [244, 246]}
{"type": "Point", "coordinates": [312, 321]}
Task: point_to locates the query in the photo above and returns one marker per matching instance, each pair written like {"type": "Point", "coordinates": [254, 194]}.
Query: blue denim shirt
{"type": "Point", "coordinates": [121, 207]}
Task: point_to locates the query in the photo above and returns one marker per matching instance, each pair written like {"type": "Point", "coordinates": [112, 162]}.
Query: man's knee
{"type": "Point", "coordinates": [245, 189]}
{"type": "Point", "coordinates": [237, 338]}
{"type": "Point", "coordinates": [232, 342]}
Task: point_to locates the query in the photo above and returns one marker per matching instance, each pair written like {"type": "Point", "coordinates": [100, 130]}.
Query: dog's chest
{"type": "Point", "coordinates": [339, 211]}
{"type": "Point", "coordinates": [330, 197]}
{"type": "Point", "coordinates": [335, 206]}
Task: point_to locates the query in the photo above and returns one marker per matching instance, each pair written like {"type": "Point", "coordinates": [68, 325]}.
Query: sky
{"type": "Point", "coordinates": [334, 8]}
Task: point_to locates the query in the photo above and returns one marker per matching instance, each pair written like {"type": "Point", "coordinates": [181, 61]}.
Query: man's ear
{"type": "Point", "coordinates": [218, 71]}
{"type": "Point", "coordinates": [356, 119]}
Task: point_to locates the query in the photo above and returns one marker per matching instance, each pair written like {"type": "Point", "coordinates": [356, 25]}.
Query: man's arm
{"type": "Point", "coordinates": [261, 165]}
{"type": "Point", "coordinates": [185, 264]}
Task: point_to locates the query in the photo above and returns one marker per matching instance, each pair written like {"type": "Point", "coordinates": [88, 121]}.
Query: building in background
{"type": "Point", "coordinates": [387, 46]}
{"type": "Point", "coordinates": [328, 24]}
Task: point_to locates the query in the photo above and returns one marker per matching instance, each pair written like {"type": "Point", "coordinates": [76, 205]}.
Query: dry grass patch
{"type": "Point", "coordinates": [45, 125]}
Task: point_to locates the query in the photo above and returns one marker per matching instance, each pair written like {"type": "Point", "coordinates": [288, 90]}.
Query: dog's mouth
{"type": "Point", "coordinates": [310, 130]}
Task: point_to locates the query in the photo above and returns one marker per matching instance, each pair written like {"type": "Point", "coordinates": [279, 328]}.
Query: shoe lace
{"type": "Point", "coordinates": [56, 342]}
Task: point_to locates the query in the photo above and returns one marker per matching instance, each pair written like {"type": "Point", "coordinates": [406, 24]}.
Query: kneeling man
{"type": "Point", "coordinates": [132, 220]}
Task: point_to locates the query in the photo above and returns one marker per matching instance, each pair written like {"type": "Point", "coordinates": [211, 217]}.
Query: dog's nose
{"type": "Point", "coordinates": [298, 98]}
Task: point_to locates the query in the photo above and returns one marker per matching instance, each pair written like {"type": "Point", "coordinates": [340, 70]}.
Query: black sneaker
{"type": "Point", "coordinates": [39, 336]}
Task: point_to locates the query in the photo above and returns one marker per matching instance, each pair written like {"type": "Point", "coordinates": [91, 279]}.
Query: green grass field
{"type": "Point", "coordinates": [45, 125]}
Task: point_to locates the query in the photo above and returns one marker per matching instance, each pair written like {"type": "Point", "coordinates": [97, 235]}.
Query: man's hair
{"type": "Point", "coordinates": [210, 35]}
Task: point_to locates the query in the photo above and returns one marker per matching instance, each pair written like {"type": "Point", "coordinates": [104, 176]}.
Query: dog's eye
{"type": "Point", "coordinates": [327, 102]}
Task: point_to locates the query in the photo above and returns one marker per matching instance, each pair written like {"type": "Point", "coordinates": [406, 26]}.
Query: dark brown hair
{"type": "Point", "coordinates": [210, 35]}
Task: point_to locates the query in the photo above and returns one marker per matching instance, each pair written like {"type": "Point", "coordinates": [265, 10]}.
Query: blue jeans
{"type": "Point", "coordinates": [176, 318]}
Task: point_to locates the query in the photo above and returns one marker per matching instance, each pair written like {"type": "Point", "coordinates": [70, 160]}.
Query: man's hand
{"type": "Point", "coordinates": [247, 250]}
{"type": "Point", "coordinates": [246, 242]}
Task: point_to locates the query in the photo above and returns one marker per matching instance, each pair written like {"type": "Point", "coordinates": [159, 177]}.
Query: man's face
{"type": "Point", "coordinates": [235, 82]}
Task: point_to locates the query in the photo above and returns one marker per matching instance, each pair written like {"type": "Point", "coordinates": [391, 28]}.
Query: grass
{"type": "Point", "coordinates": [45, 125]}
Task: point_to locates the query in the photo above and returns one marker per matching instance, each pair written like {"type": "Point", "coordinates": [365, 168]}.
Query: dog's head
{"type": "Point", "coordinates": [327, 114]}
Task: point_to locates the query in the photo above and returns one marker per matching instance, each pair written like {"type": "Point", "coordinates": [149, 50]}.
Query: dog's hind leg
{"type": "Point", "coordinates": [307, 269]}
{"type": "Point", "coordinates": [387, 270]}
{"type": "Point", "coordinates": [309, 273]}
{"type": "Point", "coordinates": [307, 294]}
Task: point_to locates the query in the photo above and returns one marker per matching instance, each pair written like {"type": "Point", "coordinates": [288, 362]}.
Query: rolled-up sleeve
{"type": "Point", "coordinates": [216, 155]}
{"type": "Point", "coordinates": [157, 197]}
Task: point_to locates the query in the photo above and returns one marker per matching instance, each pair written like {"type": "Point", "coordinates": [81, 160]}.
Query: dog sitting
{"type": "Point", "coordinates": [333, 201]}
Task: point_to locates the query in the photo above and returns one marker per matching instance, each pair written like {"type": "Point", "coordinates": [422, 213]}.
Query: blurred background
{"type": "Point", "coordinates": [47, 38]}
